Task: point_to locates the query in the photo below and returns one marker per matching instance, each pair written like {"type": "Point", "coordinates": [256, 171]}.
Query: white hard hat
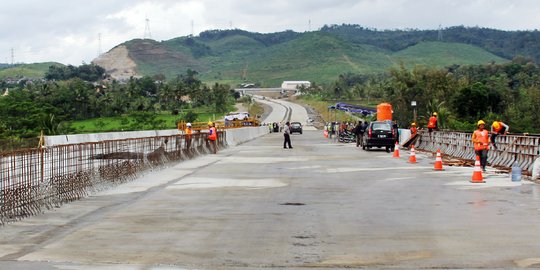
{"type": "Point", "coordinates": [188, 124]}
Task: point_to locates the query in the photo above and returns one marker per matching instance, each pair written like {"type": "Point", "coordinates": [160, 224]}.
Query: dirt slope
{"type": "Point", "coordinates": [117, 63]}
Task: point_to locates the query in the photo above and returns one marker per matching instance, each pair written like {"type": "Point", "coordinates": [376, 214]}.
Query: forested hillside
{"type": "Point", "coordinates": [235, 56]}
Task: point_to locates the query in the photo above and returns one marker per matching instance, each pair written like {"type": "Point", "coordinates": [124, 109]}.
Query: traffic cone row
{"type": "Point", "coordinates": [477, 174]}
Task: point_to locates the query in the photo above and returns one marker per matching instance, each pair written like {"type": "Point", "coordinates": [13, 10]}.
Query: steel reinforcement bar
{"type": "Point", "coordinates": [32, 180]}
{"type": "Point", "coordinates": [510, 148]}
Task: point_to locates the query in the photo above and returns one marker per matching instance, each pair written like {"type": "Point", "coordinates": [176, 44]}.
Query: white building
{"type": "Point", "coordinates": [294, 85]}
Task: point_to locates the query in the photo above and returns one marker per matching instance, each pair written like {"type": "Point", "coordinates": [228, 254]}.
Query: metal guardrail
{"type": "Point", "coordinates": [510, 148]}
{"type": "Point", "coordinates": [34, 179]}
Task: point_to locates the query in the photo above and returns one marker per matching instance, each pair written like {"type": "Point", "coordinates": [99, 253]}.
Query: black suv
{"type": "Point", "coordinates": [296, 127]}
{"type": "Point", "coordinates": [379, 134]}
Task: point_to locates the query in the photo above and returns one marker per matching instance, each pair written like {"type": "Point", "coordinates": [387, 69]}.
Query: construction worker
{"type": "Point", "coordinates": [187, 133]}
{"type": "Point", "coordinates": [413, 128]}
{"type": "Point", "coordinates": [481, 140]}
{"type": "Point", "coordinates": [498, 127]}
{"type": "Point", "coordinates": [432, 123]}
{"type": "Point", "coordinates": [212, 137]}
{"type": "Point", "coordinates": [359, 132]}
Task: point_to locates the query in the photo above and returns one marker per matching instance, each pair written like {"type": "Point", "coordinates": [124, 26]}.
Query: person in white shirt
{"type": "Point", "coordinates": [287, 136]}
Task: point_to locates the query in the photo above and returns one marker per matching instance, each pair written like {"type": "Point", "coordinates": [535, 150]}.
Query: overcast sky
{"type": "Point", "coordinates": [69, 31]}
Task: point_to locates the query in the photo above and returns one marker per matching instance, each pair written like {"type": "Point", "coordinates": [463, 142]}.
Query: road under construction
{"type": "Point", "coordinates": [321, 205]}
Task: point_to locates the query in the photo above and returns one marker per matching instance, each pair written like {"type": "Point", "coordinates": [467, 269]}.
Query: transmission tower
{"type": "Point", "coordinates": [99, 45]}
{"type": "Point", "coordinates": [147, 33]}
{"type": "Point", "coordinates": [12, 57]}
{"type": "Point", "coordinates": [192, 28]}
{"type": "Point", "coordinates": [439, 36]}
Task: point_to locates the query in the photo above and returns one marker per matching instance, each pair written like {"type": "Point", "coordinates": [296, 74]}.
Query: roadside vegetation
{"type": "Point", "coordinates": [65, 105]}
{"type": "Point", "coordinates": [461, 95]}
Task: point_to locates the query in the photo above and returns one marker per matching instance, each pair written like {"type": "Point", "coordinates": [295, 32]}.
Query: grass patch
{"type": "Point", "coordinates": [128, 123]}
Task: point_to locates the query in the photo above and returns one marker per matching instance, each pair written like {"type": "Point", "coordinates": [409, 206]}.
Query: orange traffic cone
{"type": "Point", "coordinates": [477, 174]}
{"type": "Point", "coordinates": [396, 151]}
{"type": "Point", "coordinates": [412, 158]}
{"type": "Point", "coordinates": [438, 161]}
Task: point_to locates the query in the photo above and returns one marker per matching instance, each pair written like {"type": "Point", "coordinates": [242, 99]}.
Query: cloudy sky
{"type": "Point", "coordinates": [69, 31]}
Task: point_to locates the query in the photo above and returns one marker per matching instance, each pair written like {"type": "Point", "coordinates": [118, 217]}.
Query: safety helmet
{"type": "Point", "coordinates": [209, 123]}
{"type": "Point", "coordinates": [434, 113]}
{"type": "Point", "coordinates": [413, 124]}
{"type": "Point", "coordinates": [188, 124]}
{"type": "Point", "coordinates": [481, 122]}
{"type": "Point", "coordinates": [496, 125]}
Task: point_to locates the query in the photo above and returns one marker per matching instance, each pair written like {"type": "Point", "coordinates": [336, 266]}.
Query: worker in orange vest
{"type": "Point", "coordinates": [188, 133]}
{"type": "Point", "coordinates": [212, 136]}
{"type": "Point", "coordinates": [481, 141]}
{"type": "Point", "coordinates": [413, 128]}
{"type": "Point", "coordinates": [432, 123]}
{"type": "Point", "coordinates": [498, 127]}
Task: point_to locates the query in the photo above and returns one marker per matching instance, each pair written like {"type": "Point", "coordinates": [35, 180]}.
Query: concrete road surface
{"type": "Point", "coordinates": [320, 205]}
{"type": "Point", "coordinates": [281, 107]}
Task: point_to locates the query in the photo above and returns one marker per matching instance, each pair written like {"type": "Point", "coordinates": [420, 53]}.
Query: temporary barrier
{"type": "Point", "coordinates": [384, 112]}
{"type": "Point", "coordinates": [510, 148]}
{"type": "Point", "coordinates": [438, 166]}
{"type": "Point", "coordinates": [477, 176]}
{"type": "Point", "coordinates": [412, 157]}
{"type": "Point", "coordinates": [396, 150]}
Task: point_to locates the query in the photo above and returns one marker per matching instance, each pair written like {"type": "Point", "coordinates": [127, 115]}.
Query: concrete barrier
{"type": "Point", "coordinates": [105, 136]}
{"type": "Point", "coordinates": [238, 136]}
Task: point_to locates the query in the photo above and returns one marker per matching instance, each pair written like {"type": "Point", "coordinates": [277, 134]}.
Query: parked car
{"type": "Point", "coordinates": [296, 127]}
{"type": "Point", "coordinates": [379, 134]}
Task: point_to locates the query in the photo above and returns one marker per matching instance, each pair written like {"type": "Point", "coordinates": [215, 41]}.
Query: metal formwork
{"type": "Point", "coordinates": [34, 179]}
{"type": "Point", "coordinates": [510, 148]}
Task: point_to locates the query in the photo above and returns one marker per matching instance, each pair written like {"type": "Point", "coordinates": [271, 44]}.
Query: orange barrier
{"type": "Point", "coordinates": [477, 174]}
{"type": "Point", "coordinates": [412, 158]}
{"type": "Point", "coordinates": [438, 162]}
{"type": "Point", "coordinates": [396, 151]}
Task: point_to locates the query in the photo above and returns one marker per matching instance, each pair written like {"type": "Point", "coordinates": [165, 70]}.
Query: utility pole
{"type": "Point", "coordinates": [99, 45]}
{"type": "Point", "coordinates": [192, 28]}
{"type": "Point", "coordinates": [12, 57]}
{"type": "Point", "coordinates": [439, 36]}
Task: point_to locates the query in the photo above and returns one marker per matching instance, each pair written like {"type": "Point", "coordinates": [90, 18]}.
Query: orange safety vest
{"type": "Point", "coordinates": [213, 134]}
{"type": "Point", "coordinates": [481, 139]}
{"type": "Point", "coordinates": [188, 132]}
{"type": "Point", "coordinates": [497, 128]}
{"type": "Point", "coordinates": [432, 122]}
{"type": "Point", "coordinates": [413, 130]}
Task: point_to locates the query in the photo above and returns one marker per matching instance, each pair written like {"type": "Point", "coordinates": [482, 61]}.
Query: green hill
{"type": "Point", "coordinates": [441, 54]}
{"type": "Point", "coordinates": [36, 70]}
{"type": "Point", "coordinates": [235, 56]}
{"type": "Point", "coordinates": [315, 56]}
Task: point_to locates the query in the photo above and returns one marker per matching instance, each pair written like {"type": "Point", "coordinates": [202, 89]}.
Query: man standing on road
{"type": "Point", "coordinates": [480, 140]}
{"type": "Point", "coordinates": [497, 128]}
{"type": "Point", "coordinates": [287, 136]}
{"type": "Point", "coordinates": [359, 132]}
